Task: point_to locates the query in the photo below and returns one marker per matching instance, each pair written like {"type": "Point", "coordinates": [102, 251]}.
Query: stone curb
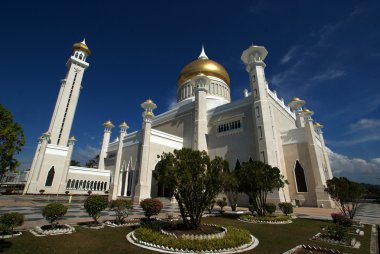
{"type": "Point", "coordinates": [132, 239]}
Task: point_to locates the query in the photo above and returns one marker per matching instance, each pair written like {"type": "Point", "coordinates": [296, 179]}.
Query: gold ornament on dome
{"type": "Point", "coordinates": [83, 47]}
{"type": "Point", "coordinates": [203, 66]}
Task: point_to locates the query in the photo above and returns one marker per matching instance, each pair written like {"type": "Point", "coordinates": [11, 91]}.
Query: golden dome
{"type": "Point", "coordinates": [203, 66]}
{"type": "Point", "coordinates": [82, 46]}
{"type": "Point", "coordinates": [108, 124]}
{"type": "Point", "coordinates": [296, 99]}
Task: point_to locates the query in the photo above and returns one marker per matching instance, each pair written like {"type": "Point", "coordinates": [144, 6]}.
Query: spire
{"type": "Point", "coordinates": [84, 41]}
{"type": "Point", "coordinates": [203, 54]}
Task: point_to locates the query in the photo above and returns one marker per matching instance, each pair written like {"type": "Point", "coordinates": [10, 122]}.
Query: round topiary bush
{"type": "Point", "coordinates": [151, 206]}
{"type": "Point", "coordinates": [53, 212]}
{"type": "Point", "coordinates": [122, 208]}
{"type": "Point", "coordinates": [94, 204]}
{"type": "Point", "coordinates": [221, 203]}
{"type": "Point", "coordinates": [270, 208]}
{"type": "Point", "coordinates": [9, 221]}
{"type": "Point", "coordinates": [286, 208]}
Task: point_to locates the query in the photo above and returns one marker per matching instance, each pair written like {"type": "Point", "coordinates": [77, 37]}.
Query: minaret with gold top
{"type": "Point", "coordinates": [52, 159]}
{"type": "Point", "coordinates": [63, 116]}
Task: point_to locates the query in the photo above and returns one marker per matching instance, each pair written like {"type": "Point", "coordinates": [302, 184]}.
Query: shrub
{"type": "Point", "coordinates": [89, 192]}
{"type": "Point", "coordinates": [340, 219]}
{"type": "Point", "coordinates": [53, 212]}
{"type": "Point", "coordinates": [94, 204]}
{"type": "Point", "coordinates": [270, 208]}
{"type": "Point", "coordinates": [337, 232]}
{"type": "Point", "coordinates": [9, 221]}
{"type": "Point", "coordinates": [286, 208]}
{"type": "Point", "coordinates": [42, 192]}
{"type": "Point", "coordinates": [151, 206]}
{"type": "Point", "coordinates": [211, 206]}
{"type": "Point", "coordinates": [67, 192]}
{"type": "Point", "coordinates": [265, 218]}
{"type": "Point", "coordinates": [122, 208]}
{"type": "Point", "coordinates": [221, 203]}
{"type": "Point", "coordinates": [234, 237]}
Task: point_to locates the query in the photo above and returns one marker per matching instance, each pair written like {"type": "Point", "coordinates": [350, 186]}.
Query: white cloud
{"type": "Point", "coordinates": [330, 74]}
{"type": "Point", "coordinates": [341, 164]}
{"type": "Point", "coordinates": [365, 124]}
{"type": "Point", "coordinates": [172, 103]}
{"type": "Point", "coordinates": [83, 154]}
{"type": "Point", "coordinates": [289, 55]}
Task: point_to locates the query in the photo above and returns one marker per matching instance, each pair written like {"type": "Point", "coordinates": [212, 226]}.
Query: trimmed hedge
{"type": "Point", "coordinates": [151, 206]}
{"type": "Point", "coordinates": [286, 208]}
{"type": "Point", "coordinates": [234, 237]}
{"type": "Point", "coordinates": [53, 212]}
{"type": "Point", "coordinates": [265, 218]}
{"type": "Point", "coordinates": [270, 208]}
{"type": "Point", "coordinates": [8, 221]}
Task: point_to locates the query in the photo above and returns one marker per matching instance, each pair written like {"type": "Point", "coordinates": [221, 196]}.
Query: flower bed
{"type": "Point", "coordinates": [301, 249]}
{"type": "Point", "coordinates": [127, 223]}
{"type": "Point", "coordinates": [219, 234]}
{"type": "Point", "coordinates": [351, 242]}
{"type": "Point", "coordinates": [91, 225]}
{"type": "Point", "coordinates": [59, 230]}
{"type": "Point", "coordinates": [234, 240]}
{"type": "Point", "coordinates": [281, 219]}
{"type": "Point", "coordinates": [14, 234]}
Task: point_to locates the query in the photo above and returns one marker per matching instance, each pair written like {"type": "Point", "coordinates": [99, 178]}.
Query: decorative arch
{"type": "Point", "coordinates": [299, 173]}
{"type": "Point", "coordinates": [50, 177]}
{"type": "Point", "coordinates": [68, 184]}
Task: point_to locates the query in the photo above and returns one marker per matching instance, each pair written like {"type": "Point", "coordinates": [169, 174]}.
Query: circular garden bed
{"type": "Point", "coordinates": [49, 230]}
{"type": "Point", "coordinates": [280, 219]}
{"type": "Point", "coordinates": [207, 238]}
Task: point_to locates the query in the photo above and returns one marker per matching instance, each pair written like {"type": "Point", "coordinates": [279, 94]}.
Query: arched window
{"type": "Point", "coordinates": [80, 56]}
{"type": "Point", "coordinates": [105, 186]}
{"type": "Point", "coordinates": [76, 184]}
{"type": "Point", "coordinates": [300, 178]}
{"type": "Point", "coordinates": [80, 184]}
{"type": "Point", "coordinates": [68, 184]}
{"type": "Point", "coordinates": [72, 184]}
{"type": "Point", "coordinates": [85, 184]}
{"type": "Point", "coordinates": [50, 177]}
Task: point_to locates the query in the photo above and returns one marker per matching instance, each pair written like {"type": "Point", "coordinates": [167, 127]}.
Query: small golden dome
{"type": "Point", "coordinates": [108, 124]}
{"type": "Point", "coordinates": [203, 66]}
{"type": "Point", "coordinates": [296, 99]}
{"type": "Point", "coordinates": [149, 101]}
{"type": "Point", "coordinates": [124, 125]}
{"type": "Point", "coordinates": [318, 125]}
{"type": "Point", "coordinates": [83, 47]}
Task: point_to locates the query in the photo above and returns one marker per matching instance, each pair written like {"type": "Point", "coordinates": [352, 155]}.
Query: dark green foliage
{"type": "Point", "coordinates": [341, 219]}
{"type": "Point", "coordinates": [337, 232]}
{"type": "Point", "coordinates": [234, 237]}
{"type": "Point", "coordinates": [151, 206]}
{"type": "Point", "coordinates": [94, 204]}
{"type": "Point", "coordinates": [93, 163]}
{"type": "Point", "coordinates": [74, 163]}
{"type": "Point", "coordinates": [53, 212]}
{"type": "Point", "coordinates": [257, 179]}
{"type": "Point", "coordinates": [346, 194]}
{"type": "Point", "coordinates": [221, 203]}
{"type": "Point", "coordinates": [42, 192]}
{"type": "Point", "coordinates": [8, 221]}
{"type": "Point", "coordinates": [122, 209]}
{"type": "Point", "coordinates": [193, 179]}
{"type": "Point", "coordinates": [270, 208]}
{"type": "Point", "coordinates": [286, 208]}
{"type": "Point", "coordinates": [231, 187]}
{"type": "Point", "coordinates": [11, 140]}
{"type": "Point", "coordinates": [265, 218]}
{"type": "Point", "coordinates": [211, 206]}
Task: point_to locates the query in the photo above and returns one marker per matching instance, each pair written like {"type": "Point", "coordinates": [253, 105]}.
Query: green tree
{"type": "Point", "coordinates": [231, 188]}
{"type": "Point", "coordinates": [94, 204]}
{"type": "Point", "coordinates": [122, 209]}
{"type": "Point", "coordinates": [53, 212]}
{"type": "Point", "coordinates": [8, 221]}
{"type": "Point", "coordinates": [11, 140]}
{"type": "Point", "coordinates": [257, 179]}
{"type": "Point", "coordinates": [151, 206]}
{"type": "Point", "coordinates": [193, 179]}
{"type": "Point", "coordinates": [74, 163]}
{"type": "Point", "coordinates": [346, 194]}
{"type": "Point", "coordinates": [93, 163]}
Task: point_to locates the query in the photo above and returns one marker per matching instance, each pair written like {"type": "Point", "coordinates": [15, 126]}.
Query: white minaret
{"type": "Point", "coordinates": [143, 186]}
{"type": "Point", "coordinates": [114, 188]}
{"type": "Point", "coordinates": [51, 161]}
{"type": "Point", "coordinates": [106, 140]}
{"type": "Point", "coordinates": [201, 82]}
{"type": "Point", "coordinates": [62, 120]}
{"type": "Point", "coordinates": [253, 58]}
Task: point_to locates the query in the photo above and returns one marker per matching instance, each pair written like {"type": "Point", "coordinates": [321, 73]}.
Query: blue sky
{"type": "Point", "coordinates": [326, 52]}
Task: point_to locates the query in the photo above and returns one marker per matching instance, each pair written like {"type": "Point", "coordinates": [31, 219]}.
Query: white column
{"type": "Point", "coordinates": [200, 114]}
{"type": "Point", "coordinates": [106, 140]}
{"type": "Point", "coordinates": [115, 183]}
{"type": "Point", "coordinates": [66, 167]}
{"type": "Point", "coordinates": [126, 182]}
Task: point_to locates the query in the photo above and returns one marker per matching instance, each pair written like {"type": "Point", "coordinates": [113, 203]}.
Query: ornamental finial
{"type": "Point", "coordinates": [203, 54]}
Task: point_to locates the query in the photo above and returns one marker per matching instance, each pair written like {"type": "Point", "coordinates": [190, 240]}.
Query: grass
{"type": "Point", "coordinates": [273, 239]}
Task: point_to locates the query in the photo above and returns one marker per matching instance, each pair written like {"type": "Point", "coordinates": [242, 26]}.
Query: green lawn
{"type": "Point", "coordinates": [273, 239]}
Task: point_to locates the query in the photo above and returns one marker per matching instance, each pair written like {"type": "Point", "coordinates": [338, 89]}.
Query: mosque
{"type": "Point", "coordinates": [259, 126]}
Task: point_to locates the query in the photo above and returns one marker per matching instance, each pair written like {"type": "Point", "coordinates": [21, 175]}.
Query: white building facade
{"type": "Point", "coordinates": [258, 126]}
